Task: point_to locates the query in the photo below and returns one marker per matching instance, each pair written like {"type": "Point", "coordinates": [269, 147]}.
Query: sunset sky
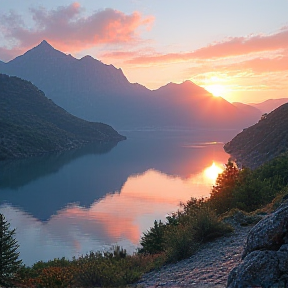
{"type": "Point", "coordinates": [234, 48]}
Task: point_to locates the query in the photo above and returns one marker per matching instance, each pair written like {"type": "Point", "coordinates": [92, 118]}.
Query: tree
{"type": "Point", "coordinates": [9, 262]}
{"type": "Point", "coordinates": [221, 196]}
{"type": "Point", "coordinates": [152, 241]}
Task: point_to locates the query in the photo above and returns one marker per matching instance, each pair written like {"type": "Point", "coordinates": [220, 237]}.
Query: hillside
{"type": "Point", "coordinates": [94, 91]}
{"type": "Point", "coordinates": [31, 124]}
{"type": "Point", "coordinates": [262, 141]}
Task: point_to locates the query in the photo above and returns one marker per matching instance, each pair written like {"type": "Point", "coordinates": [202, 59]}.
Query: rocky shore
{"type": "Point", "coordinates": [209, 267]}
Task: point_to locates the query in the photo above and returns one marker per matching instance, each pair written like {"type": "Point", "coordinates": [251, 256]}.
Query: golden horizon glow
{"type": "Point", "coordinates": [213, 171]}
{"type": "Point", "coordinates": [216, 89]}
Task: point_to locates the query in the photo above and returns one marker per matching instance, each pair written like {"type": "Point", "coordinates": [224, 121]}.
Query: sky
{"type": "Point", "coordinates": [237, 49]}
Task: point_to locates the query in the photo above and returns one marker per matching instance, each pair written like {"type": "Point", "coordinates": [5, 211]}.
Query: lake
{"type": "Point", "coordinates": [68, 204]}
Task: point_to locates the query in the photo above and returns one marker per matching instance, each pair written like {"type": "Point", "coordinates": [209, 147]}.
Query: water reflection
{"type": "Point", "coordinates": [213, 171]}
{"type": "Point", "coordinates": [97, 200]}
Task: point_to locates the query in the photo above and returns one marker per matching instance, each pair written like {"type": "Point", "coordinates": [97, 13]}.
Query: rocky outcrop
{"type": "Point", "coordinates": [265, 256]}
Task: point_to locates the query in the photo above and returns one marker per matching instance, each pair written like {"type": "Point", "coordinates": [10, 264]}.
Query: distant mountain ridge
{"type": "Point", "coordinates": [95, 91]}
{"type": "Point", "coordinates": [269, 105]}
{"type": "Point", "coordinates": [263, 141]}
{"type": "Point", "coordinates": [31, 124]}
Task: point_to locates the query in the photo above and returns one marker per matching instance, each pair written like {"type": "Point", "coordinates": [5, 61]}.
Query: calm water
{"type": "Point", "coordinates": [103, 195]}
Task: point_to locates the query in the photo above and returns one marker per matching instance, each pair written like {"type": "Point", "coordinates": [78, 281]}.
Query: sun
{"type": "Point", "coordinates": [216, 89]}
{"type": "Point", "coordinates": [213, 171]}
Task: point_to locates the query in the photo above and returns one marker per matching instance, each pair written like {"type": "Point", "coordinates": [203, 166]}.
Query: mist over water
{"type": "Point", "coordinates": [102, 195]}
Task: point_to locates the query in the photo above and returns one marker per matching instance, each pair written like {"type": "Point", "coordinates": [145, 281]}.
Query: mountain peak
{"type": "Point", "coordinates": [45, 45]}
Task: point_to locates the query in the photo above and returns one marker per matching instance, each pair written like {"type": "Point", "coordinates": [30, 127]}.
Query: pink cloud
{"type": "Point", "coordinates": [120, 54]}
{"type": "Point", "coordinates": [233, 46]}
{"type": "Point", "coordinates": [262, 65]}
{"type": "Point", "coordinates": [67, 29]}
{"type": "Point", "coordinates": [7, 54]}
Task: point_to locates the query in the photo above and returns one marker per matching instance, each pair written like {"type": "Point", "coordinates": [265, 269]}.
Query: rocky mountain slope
{"type": "Point", "coordinates": [31, 124]}
{"type": "Point", "coordinates": [262, 141]}
{"type": "Point", "coordinates": [94, 91]}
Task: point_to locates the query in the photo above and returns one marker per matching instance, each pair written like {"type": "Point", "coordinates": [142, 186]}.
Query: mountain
{"type": "Point", "coordinates": [32, 124]}
{"type": "Point", "coordinates": [247, 108]}
{"type": "Point", "coordinates": [269, 105]}
{"type": "Point", "coordinates": [262, 141]}
{"type": "Point", "coordinates": [95, 91]}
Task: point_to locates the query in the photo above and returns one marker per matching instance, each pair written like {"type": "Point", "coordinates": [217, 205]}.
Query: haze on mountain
{"type": "Point", "coordinates": [269, 105]}
{"type": "Point", "coordinates": [263, 141]}
{"type": "Point", "coordinates": [94, 91]}
{"type": "Point", "coordinates": [31, 124]}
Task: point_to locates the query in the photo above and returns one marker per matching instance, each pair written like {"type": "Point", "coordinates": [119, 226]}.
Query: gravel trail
{"type": "Point", "coordinates": [209, 267]}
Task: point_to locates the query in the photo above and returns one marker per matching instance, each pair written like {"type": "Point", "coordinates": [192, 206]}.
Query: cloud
{"type": "Point", "coordinates": [233, 46]}
{"type": "Point", "coordinates": [262, 65]}
{"type": "Point", "coordinates": [7, 54]}
{"type": "Point", "coordinates": [67, 28]}
{"type": "Point", "coordinates": [120, 54]}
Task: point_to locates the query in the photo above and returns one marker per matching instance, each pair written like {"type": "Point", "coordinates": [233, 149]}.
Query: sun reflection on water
{"type": "Point", "coordinates": [213, 171]}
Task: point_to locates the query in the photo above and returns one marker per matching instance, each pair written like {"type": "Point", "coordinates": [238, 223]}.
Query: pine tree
{"type": "Point", "coordinates": [9, 262]}
{"type": "Point", "coordinates": [221, 196]}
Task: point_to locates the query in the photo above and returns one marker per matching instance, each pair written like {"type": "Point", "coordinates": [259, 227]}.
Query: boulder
{"type": "Point", "coordinates": [270, 233]}
{"type": "Point", "coordinates": [265, 257]}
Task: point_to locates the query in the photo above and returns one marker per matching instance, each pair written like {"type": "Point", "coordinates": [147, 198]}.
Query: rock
{"type": "Point", "coordinates": [241, 218]}
{"type": "Point", "coordinates": [282, 254]}
{"type": "Point", "coordinates": [265, 255]}
{"type": "Point", "coordinates": [259, 268]}
{"type": "Point", "coordinates": [270, 232]}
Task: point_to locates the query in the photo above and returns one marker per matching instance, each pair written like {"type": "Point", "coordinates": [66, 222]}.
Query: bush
{"type": "Point", "coordinates": [251, 192]}
{"type": "Point", "coordinates": [179, 243]}
{"type": "Point", "coordinates": [248, 189]}
{"type": "Point", "coordinates": [109, 269]}
{"type": "Point", "coordinates": [152, 241]}
{"type": "Point", "coordinates": [184, 231]}
{"type": "Point", "coordinates": [221, 197]}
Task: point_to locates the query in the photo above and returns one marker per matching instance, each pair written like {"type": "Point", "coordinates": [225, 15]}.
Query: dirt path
{"type": "Point", "coordinates": [209, 267]}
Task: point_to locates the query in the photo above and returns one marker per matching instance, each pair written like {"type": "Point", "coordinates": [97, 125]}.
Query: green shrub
{"type": "Point", "coordinates": [251, 192]}
{"type": "Point", "coordinates": [184, 231]}
{"type": "Point", "coordinates": [109, 269]}
{"type": "Point", "coordinates": [152, 241]}
{"type": "Point", "coordinates": [179, 242]}
{"type": "Point", "coordinates": [221, 197]}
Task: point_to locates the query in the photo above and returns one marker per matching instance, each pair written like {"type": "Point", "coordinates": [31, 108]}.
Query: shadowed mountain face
{"type": "Point", "coordinates": [262, 141]}
{"type": "Point", "coordinates": [31, 124]}
{"type": "Point", "coordinates": [94, 91]}
{"type": "Point", "coordinates": [248, 110]}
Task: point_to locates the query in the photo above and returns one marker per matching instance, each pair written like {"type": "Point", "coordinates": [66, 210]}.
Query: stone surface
{"type": "Point", "coordinates": [265, 256]}
{"type": "Point", "coordinates": [259, 268]}
{"type": "Point", "coordinates": [270, 232]}
{"type": "Point", "coordinates": [209, 267]}
{"type": "Point", "coordinates": [283, 258]}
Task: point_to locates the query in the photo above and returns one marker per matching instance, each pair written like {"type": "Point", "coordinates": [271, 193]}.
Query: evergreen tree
{"type": "Point", "coordinates": [221, 196]}
{"type": "Point", "coordinates": [9, 262]}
